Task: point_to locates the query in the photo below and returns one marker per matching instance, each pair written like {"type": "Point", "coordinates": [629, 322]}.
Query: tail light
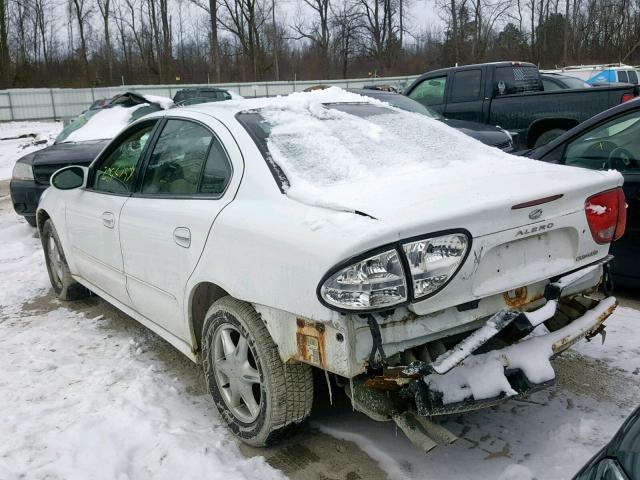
{"type": "Point", "coordinates": [607, 215]}
{"type": "Point", "coordinates": [627, 96]}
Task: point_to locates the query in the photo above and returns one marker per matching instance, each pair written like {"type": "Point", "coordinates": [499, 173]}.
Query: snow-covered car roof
{"type": "Point", "coordinates": [105, 123]}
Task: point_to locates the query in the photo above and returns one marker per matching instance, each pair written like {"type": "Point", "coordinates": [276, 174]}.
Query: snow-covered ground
{"type": "Point", "coordinates": [12, 146]}
{"type": "Point", "coordinates": [85, 392]}
{"type": "Point", "coordinates": [88, 396]}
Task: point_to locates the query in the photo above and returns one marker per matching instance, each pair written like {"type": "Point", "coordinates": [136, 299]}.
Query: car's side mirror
{"type": "Point", "coordinates": [68, 178]}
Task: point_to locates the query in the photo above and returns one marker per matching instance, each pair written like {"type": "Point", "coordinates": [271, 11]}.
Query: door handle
{"type": "Point", "coordinates": [182, 236]}
{"type": "Point", "coordinates": [108, 220]}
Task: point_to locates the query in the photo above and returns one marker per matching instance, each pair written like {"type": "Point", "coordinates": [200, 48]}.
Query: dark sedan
{"type": "Point", "coordinates": [620, 458]}
{"type": "Point", "coordinates": [554, 81]}
{"type": "Point", "coordinates": [610, 140]}
{"type": "Point", "coordinates": [31, 173]}
{"type": "Point", "coordinates": [488, 134]}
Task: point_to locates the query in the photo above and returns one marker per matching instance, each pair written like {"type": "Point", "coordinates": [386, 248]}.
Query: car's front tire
{"type": "Point", "coordinates": [31, 220]}
{"type": "Point", "coordinates": [257, 395]}
{"type": "Point", "coordinates": [63, 284]}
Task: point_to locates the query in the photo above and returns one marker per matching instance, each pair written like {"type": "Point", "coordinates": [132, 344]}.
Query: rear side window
{"type": "Point", "coordinates": [633, 77]}
{"type": "Point", "coordinates": [622, 76]}
{"type": "Point", "coordinates": [516, 79]}
{"type": "Point", "coordinates": [466, 86]}
{"type": "Point", "coordinates": [187, 159]}
{"type": "Point", "coordinates": [430, 91]}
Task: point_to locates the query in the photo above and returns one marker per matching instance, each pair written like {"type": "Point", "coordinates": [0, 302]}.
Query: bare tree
{"type": "Point", "coordinates": [105, 12]}
{"type": "Point", "coordinates": [245, 20]}
{"type": "Point", "coordinates": [5, 61]}
{"type": "Point", "coordinates": [346, 25]}
{"type": "Point", "coordinates": [316, 28]}
{"type": "Point", "coordinates": [83, 12]}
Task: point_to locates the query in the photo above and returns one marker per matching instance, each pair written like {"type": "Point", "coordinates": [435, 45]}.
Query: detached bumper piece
{"type": "Point", "coordinates": [489, 366]}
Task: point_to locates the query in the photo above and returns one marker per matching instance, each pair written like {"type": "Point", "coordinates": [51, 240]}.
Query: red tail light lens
{"type": "Point", "coordinates": [626, 97]}
{"type": "Point", "coordinates": [607, 215]}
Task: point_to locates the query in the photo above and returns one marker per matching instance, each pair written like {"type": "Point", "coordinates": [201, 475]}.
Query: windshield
{"type": "Point", "coordinates": [400, 101]}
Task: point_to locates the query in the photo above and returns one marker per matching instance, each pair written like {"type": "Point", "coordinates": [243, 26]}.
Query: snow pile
{"type": "Point", "coordinates": [105, 124]}
{"type": "Point", "coordinates": [164, 102]}
{"type": "Point", "coordinates": [482, 376]}
{"type": "Point", "coordinates": [517, 472]}
{"type": "Point", "coordinates": [35, 136]}
{"type": "Point", "coordinates": [22, 265]}
{"type": "Point", "coordinates": [622, 346]}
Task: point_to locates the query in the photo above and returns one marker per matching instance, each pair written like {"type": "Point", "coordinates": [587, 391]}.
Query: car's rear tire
{"type": "Point", "coordinates": [31, 221]}
{"type": "Point", "coordinates": [259, 397]}
{"type": "Point", "coordinates": [548, 136]}
{"type": "Point", "coordinates": [63, 284]}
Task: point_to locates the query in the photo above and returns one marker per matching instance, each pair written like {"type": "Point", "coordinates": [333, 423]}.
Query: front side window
{"type": "Point", "coordinates": [430, 91]}
{"type": "Point", "coordinates": [466, 86]}
{"type": "Point", "coordinates": [117, 172]}
{"type": "Point", "coordinates": [622, 76]}
{"type": "Point", "coordinates": [187, 159]}
{"type": "Point", "coordinates": [612, 145]}
{"type": "Point", "coordinates": [633, 77]}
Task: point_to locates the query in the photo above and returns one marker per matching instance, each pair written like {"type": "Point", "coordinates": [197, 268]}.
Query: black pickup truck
{"type": "Point", "coordinates": [511, 95]}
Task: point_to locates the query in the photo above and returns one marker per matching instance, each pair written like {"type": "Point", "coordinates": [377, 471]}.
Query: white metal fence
{"type": "Point", "coordinates": [59, 103]}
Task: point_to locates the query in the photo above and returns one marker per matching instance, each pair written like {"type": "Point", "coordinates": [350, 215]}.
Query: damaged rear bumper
{"type": "Point", "coordinates": [486, 368]}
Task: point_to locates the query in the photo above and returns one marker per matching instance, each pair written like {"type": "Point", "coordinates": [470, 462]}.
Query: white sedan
{"type": "Point", "coordinates": [266, 237]}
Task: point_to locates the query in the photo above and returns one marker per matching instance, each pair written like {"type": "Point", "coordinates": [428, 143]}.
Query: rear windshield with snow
{"type": "Point", "coordinates": [324, 145]}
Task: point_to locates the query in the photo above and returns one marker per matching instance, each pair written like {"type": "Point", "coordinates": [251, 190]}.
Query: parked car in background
{"type": "Point", "coordinates": [270, 236]}
{"type": "Point", "coordinates": [608, 141]}
{"type": "Point", "coordinates": [382, 88]}
{"type": "Point", "coordinates": [599, 74]}
{"type": "Point", "coordinates": [193, 96]}
{"type": "Point", "coordinates": [77, 144]}
{"type": "Point", "coordinates": [487, 134]}
{"type": "Point", "coordinates": [510, 94]}
{"type": "Point", "coordinates": [620, 458]}
{"type": "Point", "coordinates": [554, 81]}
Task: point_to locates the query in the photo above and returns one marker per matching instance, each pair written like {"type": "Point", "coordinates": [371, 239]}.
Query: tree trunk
{"type": "Point", "coordinates": [565, 43]}
{"type": "Point", "coordinates": [5, 62]}
{"type": "Point", "coordinates": [215, 46]}
{"type": "Point", "coordinates": [79, 8]}
{"type": "Point", "coordinates": [276, 69]}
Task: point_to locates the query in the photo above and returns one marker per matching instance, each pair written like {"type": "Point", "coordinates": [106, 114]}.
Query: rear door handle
{"type": "Point", "coordinates": [108, 220]}
{"type": "Point", "coordinates": [182, 236]}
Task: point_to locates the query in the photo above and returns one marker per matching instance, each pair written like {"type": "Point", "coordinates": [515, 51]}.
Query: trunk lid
{"type": "Point", "coordinates": [468, 196]}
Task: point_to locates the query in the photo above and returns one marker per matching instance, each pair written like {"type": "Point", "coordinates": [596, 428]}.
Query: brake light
{"type": "Point", "coordinates": [627, 96]}
{"type": "Point", "coordinates": [606, 215]}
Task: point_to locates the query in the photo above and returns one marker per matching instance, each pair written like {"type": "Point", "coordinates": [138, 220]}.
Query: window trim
{"type": "Point", "coordinates": [137, 190]}
{"type": "Point", "coordinates": [450, 98]}
{"type": "Point", "coordinates": [113, 145]}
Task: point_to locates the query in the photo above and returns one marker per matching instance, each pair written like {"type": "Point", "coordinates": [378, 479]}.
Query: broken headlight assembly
{"type": "Point", "coordinates": [412, 269]}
